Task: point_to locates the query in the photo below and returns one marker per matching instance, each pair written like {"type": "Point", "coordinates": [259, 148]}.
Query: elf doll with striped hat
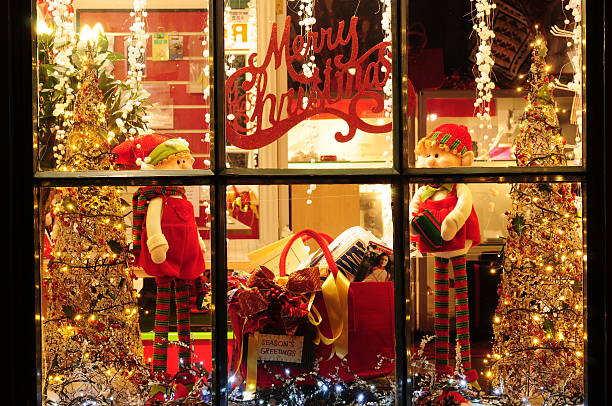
{"type": "Point", "coordinates": [167, 245]}
{"type": "Point", "coordinates": [444, 224]}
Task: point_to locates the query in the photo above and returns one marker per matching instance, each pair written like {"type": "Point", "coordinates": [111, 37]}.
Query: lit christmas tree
{"type": "Point", "coordinates": [60, 63]}
{"type": "Point", "coordinates": [538, 327]}
{"type": "Point", "coordinates": [92, 352]}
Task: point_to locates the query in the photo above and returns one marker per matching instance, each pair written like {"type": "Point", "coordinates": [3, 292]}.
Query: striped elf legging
{"type": "Point", "coordinates": [162, 323]}
{"type": "Point", "coordinates": [441, 323]}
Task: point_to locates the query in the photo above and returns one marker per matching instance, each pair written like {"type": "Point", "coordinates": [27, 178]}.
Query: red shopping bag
{"type": "Point", "coordinates": [367, 343]}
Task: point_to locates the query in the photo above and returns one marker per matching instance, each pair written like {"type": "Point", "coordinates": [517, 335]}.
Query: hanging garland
{"type": "Point", "coordinates": [574, 45]}
{"type": "Point", "coordinates": [307, 21]}
{"type": "Point", "coordinates": [482, 17]}
{"type": "Point", "coordinates": [137, 44]}
{"type": "Point", "coordinates": [56, 43]}
{"type": "Point", "coordinates": [388, 86]}
{"type": "Point", "coordinates": [206, 90]}
{"type": "Point", "coordinates": [136, 60]}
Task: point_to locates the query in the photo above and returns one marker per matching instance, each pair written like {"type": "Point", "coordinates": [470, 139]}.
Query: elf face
{"type": "Point", "coordinates": [182, 160]}
{"type": "Point", "coordinates": [436, 157]}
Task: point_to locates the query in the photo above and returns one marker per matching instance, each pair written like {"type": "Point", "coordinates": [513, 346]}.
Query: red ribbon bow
{"type": "Point", "coordinates": [264, 303]}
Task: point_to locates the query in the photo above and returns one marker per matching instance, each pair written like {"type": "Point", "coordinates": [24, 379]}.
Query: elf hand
{"type": "Point", "coordinates": [449, 228]}
{"type": "Point", "coordinates": [158, 247]}
{"type": "Point", "coordinates": [411, 225]}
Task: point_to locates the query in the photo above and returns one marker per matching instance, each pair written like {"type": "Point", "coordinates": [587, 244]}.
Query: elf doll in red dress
{"type": "Point", "coordinates": [444, 224]}
{"type": "Point", "coordinates": [167, 245]}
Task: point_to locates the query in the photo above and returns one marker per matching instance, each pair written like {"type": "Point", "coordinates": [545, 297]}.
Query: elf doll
{"type": "Point", "coordinates": [167, 245]}
{"type": "Point", "coordinates": [444, 224]}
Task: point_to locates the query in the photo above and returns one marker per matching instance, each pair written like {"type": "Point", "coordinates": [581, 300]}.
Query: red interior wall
{"type": "Point", "coordinates": [168, 21]}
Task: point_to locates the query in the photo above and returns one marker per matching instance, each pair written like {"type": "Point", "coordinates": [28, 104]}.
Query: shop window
{"type": "Point", "coordinates": [531, 65]}
{"type": "Point", "coordinates": [301, 294]}
{"type": "Point", "coordinates": [494, 146]}
{"type": "Point", "coordinates": [350, 232]}
{"type": "Point", "coordinates": [148, 71]}
{"type": "Point", "coordinates": [500, 304]}
{"type": "Point", "coordinates": [105, 300]}
{"type": "Point", "coordinates": [309, 85]}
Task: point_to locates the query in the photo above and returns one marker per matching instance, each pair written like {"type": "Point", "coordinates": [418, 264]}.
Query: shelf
{"type": "Point", "coordinates": [206, 335]}
{"type": "Point", "coordinates": [337, 164]}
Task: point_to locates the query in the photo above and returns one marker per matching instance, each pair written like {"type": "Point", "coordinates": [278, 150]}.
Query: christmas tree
{"type": "Point", "coordinates": [60, 62]}
{"type": "Point", "coordinates": [538, 326]}
{"type": "Point", "coordinates": [92, 352]}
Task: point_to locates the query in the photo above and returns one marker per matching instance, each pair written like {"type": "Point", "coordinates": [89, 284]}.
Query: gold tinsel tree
{"type": "Point", "coordinates": [538, 327]}
{"type": "Point", "coordinates": [92, 352]}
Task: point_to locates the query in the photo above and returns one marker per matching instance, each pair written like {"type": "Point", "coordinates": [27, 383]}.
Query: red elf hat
{"type": "Point", "coordinates": [455, 136]}
{"type": "Point", "coordinates": [149, 149]}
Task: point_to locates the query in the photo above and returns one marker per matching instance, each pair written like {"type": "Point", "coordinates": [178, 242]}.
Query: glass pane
{"type": "Point", "coordinates": [300, 333]}
{"type": "Point", "coordinates": [113, 71]}
{"type": "Point", "coordinates": [125, 294]}
{"type": "Point", "coordinates": [499, 300]}
{"type": "Point", "coordinates": [512, 75]}
{"type": "Point", "coordinates": [308, 84]}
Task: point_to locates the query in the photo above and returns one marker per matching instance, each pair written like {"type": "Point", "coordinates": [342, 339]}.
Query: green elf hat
{"type": "Point", "coordinates": [455, 136]}
{"type": "Point", "coordinates": [148, 150]}
{"type": "Point", "coordinates": [165, 149]}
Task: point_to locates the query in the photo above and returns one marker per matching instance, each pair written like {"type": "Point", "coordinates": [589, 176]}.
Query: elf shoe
{"type": "Point", "coordinates": [449, 397]}
{"type": "Point", "coordinates": [182, 391]}
{"type": "Point", "coordinates": [471, 377]}
{"type": "Point", "coordinates": [183, 384]}
{"type": "Point", "coordinates": [158, 391]}
{"type": "Point", "coordinates": [157, 395]}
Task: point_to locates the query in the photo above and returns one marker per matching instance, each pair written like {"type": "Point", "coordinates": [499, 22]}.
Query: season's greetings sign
{"type": "Point", "coordinates": [280, 348]}
{"type": "Point", "coordinates": [354, 77]}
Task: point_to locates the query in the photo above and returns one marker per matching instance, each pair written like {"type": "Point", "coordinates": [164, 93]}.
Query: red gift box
{"type": "Point", "coordinates": [368, 333]}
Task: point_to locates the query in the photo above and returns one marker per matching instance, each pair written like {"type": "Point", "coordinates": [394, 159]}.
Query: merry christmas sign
{"type": "Point", "coordinates": [258, 117]}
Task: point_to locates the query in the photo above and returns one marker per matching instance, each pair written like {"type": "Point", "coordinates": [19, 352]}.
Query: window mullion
{"type": "Point", "coordinates": [400, 73]}
{"type": "Point", "coordinates": [401, 291]}
{"type": "Point", "coordinates": [218, 220]}
{"type": "Point", "coordinates": [219, 292]}
{"type": "Point", "coordinates": [217, 116]}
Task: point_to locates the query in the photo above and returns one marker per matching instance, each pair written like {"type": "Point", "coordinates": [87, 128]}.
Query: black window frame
{"type": "Point", "coordinates": [23, 179]}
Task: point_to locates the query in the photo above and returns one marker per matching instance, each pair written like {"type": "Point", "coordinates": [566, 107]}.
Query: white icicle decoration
{"type": "Point", "coordinates": [574, 52]}
{"type": "Point", "coordinates": [482, 17]}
